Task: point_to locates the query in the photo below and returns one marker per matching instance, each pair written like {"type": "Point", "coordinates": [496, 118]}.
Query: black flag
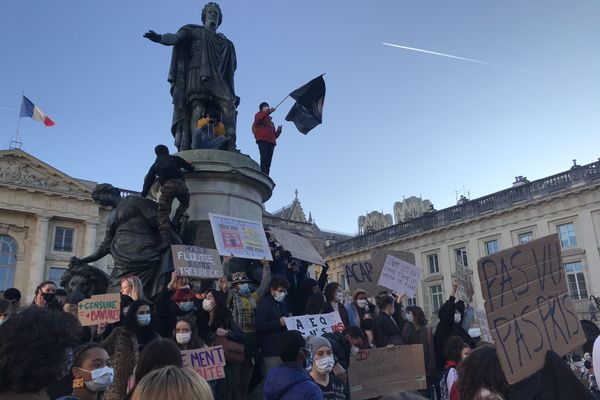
{"type": "Point", "coordinates": [307, 112]}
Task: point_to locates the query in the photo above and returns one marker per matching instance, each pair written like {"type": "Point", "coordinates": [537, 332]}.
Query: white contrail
{"type": "Point", "coordinates": [440, 54]}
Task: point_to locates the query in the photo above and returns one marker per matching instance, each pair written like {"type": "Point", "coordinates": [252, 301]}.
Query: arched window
{"type": "Point", "coordinates": [8, 261]}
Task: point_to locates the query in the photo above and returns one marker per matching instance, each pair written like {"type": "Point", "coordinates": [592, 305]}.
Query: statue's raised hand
{"type": "Point", "coordinates": [75, 262]}
{"type": "Point", "coordinates": [151, 35]}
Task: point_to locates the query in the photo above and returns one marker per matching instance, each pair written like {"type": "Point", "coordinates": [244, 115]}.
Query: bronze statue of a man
{"type": "Point", "coordinates": [201, 76]}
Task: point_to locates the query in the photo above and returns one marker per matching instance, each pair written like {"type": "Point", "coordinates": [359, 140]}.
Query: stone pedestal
{"type": "Point", "coordinates": [224, 183]}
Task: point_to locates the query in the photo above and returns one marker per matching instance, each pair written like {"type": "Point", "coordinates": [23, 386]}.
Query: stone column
{"type": "Point", "coordinates": [38, 257]}
{"type": "Point", "coordinates": [89, 242]}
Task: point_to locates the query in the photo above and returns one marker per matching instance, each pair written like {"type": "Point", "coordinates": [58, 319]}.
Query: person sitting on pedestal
{"type": "Point", "coordinates": [167, 169]}
{"type": "Point", "coordinates": [210, 134]}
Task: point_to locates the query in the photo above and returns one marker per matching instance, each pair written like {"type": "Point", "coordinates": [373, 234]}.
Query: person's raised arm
{"type": "Point", "coordinates": [183, 163]}
{"type": "Point", "coordinates": [265, 280]}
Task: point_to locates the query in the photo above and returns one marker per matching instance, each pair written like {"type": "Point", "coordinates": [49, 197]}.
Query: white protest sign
{"type": "Point", "coordinates": [484, 327]}
{"type": "Point", "coordinates": [400, 276]}
{"type": "Point", "coordinates": [241, 237]}
{"type": "Point", "coordinates": [315, 325]}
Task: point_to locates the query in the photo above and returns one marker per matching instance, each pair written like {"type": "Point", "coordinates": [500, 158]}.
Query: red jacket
{"type": "Point", "coordinates": [263, 128]}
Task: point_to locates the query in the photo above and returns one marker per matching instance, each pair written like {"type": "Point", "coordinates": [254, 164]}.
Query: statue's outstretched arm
{"type": "Point", "coordinates": [167, 39]}
{"type": "Point", "coordinates": [95, 256]}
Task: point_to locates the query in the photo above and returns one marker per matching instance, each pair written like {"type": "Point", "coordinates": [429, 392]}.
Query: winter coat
{"type": "Point", "coordinates": [446, 328]}
{"type": "Point", "coordinates": [268, 327]}
{"type": "Point", "coordinates": [290, 382]}
{"type": "Point", "coordinates": [122, 346]}
{"type": "Point", "coordinates": [264, 129]}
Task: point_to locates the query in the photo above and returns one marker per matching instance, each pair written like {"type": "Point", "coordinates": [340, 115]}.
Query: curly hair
{"type": "Point", "coordinates": [33, 348]}
{"type": "Point", "coordinates": [481, 369]}
{"type": "Point", "coordinates": [216, 7]}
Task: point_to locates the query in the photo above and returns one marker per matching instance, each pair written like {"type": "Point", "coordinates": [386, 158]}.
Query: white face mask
{"type": "Point", "coordinates": [457, 318]}
{"type": "Point", "coordinates": [208, 305]}
{"type": "Point", "coordinates": [280, 296]}
{"type": "Point", "coordinates": [362, 303]}
{"type": "Point", "coordinates": [409, 317]}
{"type": "Point", "coordinates": [183, 338]}
{"type": "Point", "coordinates": [143, 319]}
{"type": "Point", "coordinates": [324, 365]}
{"type": "Point", "coordinates": [101, 379]}
{"type": "Point", "coordinates": [579, 364]}
{"type": "Point", "coordinates": [339, 296]}
{"type": "Point", "coordinates": [354, 350]}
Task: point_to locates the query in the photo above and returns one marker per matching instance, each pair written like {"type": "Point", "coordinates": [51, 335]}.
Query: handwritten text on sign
{"type": "Point", "coordinates": [315, 325]}
{"type": "Point", "coordinates": [208, 362]}
{"type": "Point", "coordinates": [400, 276]}
{"type": "Point", "coordinates": [528, 306]}
{"type": "Point", "coordinates": [104, 308]}
{"type": "Point", "coordinates": [197, 262]}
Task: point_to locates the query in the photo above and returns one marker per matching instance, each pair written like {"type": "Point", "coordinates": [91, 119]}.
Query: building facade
{"type": "Point", "coordinates": [567, 203]}
{"type": "Point", "coordinates": [46, 217]}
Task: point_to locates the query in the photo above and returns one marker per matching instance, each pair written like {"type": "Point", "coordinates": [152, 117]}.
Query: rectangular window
{"type": "Point", "coordinates": [566, 232]}
{"type": "Point", "coordinates": [525, 237]}
{"type": "Point", "coordinates": [7, 277]}
{"type": "Point", "coordinates": [63, 239]}
{"type": "Point", "coordinates": [432, 261]}
{"type": "Point", "coordinates": [461, 256]}
{"type": "Point", "coordinates": [576, 281]}
{"type": "Point", "coordinates": [55, 274]}
{"type": "Point", "coordinates": [411, 301]}
{"type": "Point", "coordinates": [491, 247]}
{"type": "Point", "coordinates": [437, 298]}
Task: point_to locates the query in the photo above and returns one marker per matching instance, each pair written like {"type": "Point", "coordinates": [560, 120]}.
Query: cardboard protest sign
{"type": "Point", "coordinates": [315, 325]}
{"type": "Point", "coordinates": [400, 276]}
{"type": "Point", "coordinates": [301, 248]}
{"type": "Point", "coordinates": [365, 274]}
{"type": "Point", "coordinates": [465, 283]}
{"type": "Point", "coordinates": [528, 306]}
{"type": "Point", "coordinates": [208, 362]}
{"type": "Point", "coordinates": [196, 262]}
{"type": "Point", "coordinates": [241, 237]}
{"type": "Point", "coordinates": [98, 309]}
{"type": "Point", "coordinates": [383, 371]}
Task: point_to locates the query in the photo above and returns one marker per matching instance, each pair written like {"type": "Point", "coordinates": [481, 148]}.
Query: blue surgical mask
{"type": "Point", "coordinates": [186, 305]}
{"type": "Point", "coordinates": [245, 289]}
{"type": "Point", "coordinates": [144, 319]}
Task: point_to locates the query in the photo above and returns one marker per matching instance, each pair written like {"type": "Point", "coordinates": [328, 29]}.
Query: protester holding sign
{"type": "Point", "coordinates": [322, 366]}
{"type": "Point", "coordinates": [124, 345]}
{"type": "Point", "coordinates": [451, 316]}
{"type": "Point", "coordinates": [334, 301]}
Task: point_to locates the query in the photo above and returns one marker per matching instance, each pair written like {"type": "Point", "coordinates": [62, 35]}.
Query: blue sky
{"type": "Point", "coordinates": [396, 122]}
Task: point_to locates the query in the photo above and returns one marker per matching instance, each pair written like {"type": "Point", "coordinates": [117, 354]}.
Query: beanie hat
{"type": "Point", "coordinates": [314, 343]}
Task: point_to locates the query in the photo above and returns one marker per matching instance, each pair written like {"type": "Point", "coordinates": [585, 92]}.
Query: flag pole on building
{"type": "Point", "coordinates": [16, 143]}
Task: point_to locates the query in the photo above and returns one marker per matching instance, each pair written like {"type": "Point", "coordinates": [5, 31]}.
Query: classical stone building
{"type": "Point", "coordinates": [567, 203]}
{"type": "Point", "coordinates": [46, 217]}
{"type": "Point", "coordinates": [412, 207]}
{"type": "Point", "coordinates": [373, 221]}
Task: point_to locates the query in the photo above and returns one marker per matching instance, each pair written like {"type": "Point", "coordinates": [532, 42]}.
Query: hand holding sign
{"type": "Point", "coordinates": [400, 276]}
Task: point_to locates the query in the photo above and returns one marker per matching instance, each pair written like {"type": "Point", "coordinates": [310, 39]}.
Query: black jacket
{"type": "Point", "coordinates": [446, 328]}
{"type": "Point", "coordinates": [268, 327]}
{"type": "Point", "coordinates": [166, 167]}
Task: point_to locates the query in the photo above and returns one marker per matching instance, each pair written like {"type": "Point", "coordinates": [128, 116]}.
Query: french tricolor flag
{"type": "Point", "coordinates": [28, 109]}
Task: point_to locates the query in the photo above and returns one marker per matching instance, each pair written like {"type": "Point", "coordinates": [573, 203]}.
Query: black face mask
{"type": "Point", "coordinates": [49, 297]}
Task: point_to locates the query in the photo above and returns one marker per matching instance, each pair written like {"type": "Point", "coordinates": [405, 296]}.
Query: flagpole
{"type": "Point", "coordinates": [16, 144]}
{"type": "Point", "coordinates": [284, 99]}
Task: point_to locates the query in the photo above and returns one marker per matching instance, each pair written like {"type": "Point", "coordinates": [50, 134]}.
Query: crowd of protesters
{"type": "Point", "coordinates": [46, 354]}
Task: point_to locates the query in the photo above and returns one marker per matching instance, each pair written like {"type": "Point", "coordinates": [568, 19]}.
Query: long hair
{"type": "Point", "coordinates": [137, 289]}
{"type": "Point", "coordinates": [144, 333]}
{"type": "Point", "coordinates": [418, 315]}
{"type": "Point", "coordinates": [481, 369]}
{"type": "Point", "coordinates": [315, 304]}
{"type": "Point", "coordinates": [330, 291]}
{"type": "Point", "coordinates": [222, 315]}
{"type": "Point", "coordinates": [195, 342]}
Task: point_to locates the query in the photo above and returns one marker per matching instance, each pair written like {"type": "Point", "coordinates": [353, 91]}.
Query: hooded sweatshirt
{"type": "Point", "coordinates": [290, 382]}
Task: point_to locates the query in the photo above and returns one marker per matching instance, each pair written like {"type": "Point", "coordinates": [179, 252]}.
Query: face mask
{"type": "Point", "coordinates": [183, 338]}
{"type": "Point", "coordinates": [339, 296]}
{"type": "Point", "coordinates": [354, 350]}
{"type": "Point", "coordinates": [324, 365]}
{"type": "Point", "coordinates": [186, 305]}
{"type": "Point", "coordinates": [409, 317]}
{"type": "Point", "coordinates": [244, 289]}
{"type": "Point", "coordinates": [362, 303]}
{"type": "Point", "coordinates": [144, 319]}
{"type": "Point", "coordinates": [457, 318]}
{"type": "Point", "coordinates": [49, 297]}
{"type": "Point", "coordinates": [579, 364]}
{"type": "Point", "coordinates": [101, 379]}
{"type": "Point", "coordinates": [280, 296]}
{"type": "Point", "coordinates": [207, 305]}
{"type": "Point", "coordinates": [308, 360]}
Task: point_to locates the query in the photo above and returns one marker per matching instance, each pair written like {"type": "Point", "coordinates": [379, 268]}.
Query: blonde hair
{"type": "Point", "coordinates": [137, 290]}
{"type": "Point", "coordinates": [172, 383]}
